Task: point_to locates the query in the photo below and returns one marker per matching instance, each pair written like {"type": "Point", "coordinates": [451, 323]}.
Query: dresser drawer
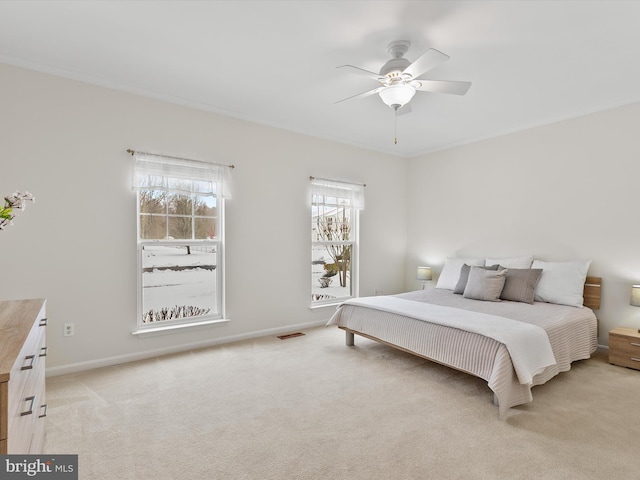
{"type": "Point", "coordinates": [26, 424]}
{"type": "Point", "coordinates": [21, 427]}
{"type": "Point", "coordinates": [29, 361]}
{"type": "Point", "coordinates": [624, 349]}
{"type": "Point", "coordinates": [625, 361]}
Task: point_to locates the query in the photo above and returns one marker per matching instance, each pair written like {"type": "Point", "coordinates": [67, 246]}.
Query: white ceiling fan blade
{"type": "Point", "coordinates": [442, 86]}
{"type": "Point", "coordinates": [362, 95]}
{"type": "Point", "coordinates": [431, 59]}
{"type": "Point", "coordinates": [362, 71]}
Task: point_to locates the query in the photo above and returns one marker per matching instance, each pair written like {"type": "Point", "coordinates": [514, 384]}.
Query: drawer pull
{"type": "Point", "coordinates": [635, 359]}
{"type": "Point", "coordinates": [31, 399]}
{"type": "Point", "coordinates": [45, 411]}
{"type": "Point", "coordinates": [43, 352]}
{"type": "Point", "coordinates": [30, 366]}
{"type": "Point", "coordinates": [635, 344]}
{"type": "Point", "coordinates": [43, 322]}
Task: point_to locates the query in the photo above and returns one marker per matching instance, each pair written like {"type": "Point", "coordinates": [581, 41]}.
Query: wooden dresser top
{"type": "Point", "coordinates": [16, 321]}
{"type": "Point", "coordinates": [627, 332]}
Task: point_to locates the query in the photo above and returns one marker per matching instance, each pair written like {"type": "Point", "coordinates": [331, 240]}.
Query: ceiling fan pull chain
{"type": "Point", "coordinates": [395, 126]}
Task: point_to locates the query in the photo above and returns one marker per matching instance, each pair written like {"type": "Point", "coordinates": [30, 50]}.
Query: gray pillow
{"type": "Point", "coordinates": [520, 284]}
{"type": "Point", "coordinates": [485, 284]}
{"type": "Point", "coordinates": [464, 277]}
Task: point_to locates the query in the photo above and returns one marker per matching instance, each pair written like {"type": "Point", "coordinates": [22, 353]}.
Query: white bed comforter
{"type": "Point", "coordinates": [528, 344]}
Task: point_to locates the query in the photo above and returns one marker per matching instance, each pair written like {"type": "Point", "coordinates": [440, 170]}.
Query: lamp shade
{"type": "Point", "coordinates": [635, 295]}
{"type": "Point", "coordinates": [397, 95]}
{"type": "Point", "coordinates": [423, 273]}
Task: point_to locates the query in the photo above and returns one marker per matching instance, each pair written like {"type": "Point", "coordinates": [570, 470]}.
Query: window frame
{"type": "Point", "coordinates": [220, 192]}
{"type": "Point", "coordinates": [354, 236]}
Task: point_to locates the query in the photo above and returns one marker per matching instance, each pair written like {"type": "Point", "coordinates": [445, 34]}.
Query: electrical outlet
{"type": "Point", "coordinates": [69, 330]}
{"type": "Point", "coordinates": [377, 292]}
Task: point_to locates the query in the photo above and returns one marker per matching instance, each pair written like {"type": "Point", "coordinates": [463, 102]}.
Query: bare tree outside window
{"type": "Point", "coordinates": [335, 230]}
{"type": "Point", "coordinates": [176, 216]}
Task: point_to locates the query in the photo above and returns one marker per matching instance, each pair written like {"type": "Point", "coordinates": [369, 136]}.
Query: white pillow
{"type": "Point", "coordinates": [451, 271]}
{"type": "Point", "coordinates": [562, 282]}
{"type": "Point", "coordinates": [510, 262]}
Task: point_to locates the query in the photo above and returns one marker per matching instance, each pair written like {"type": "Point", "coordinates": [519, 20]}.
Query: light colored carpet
{"type": "Point", "coordinates": [311, 408]}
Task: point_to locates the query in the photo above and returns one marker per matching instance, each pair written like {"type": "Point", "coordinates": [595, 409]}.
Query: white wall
{"type": "Point", "coordinates": [561, 191]}
{"type": "Point", "coordinates": [564, 191]}
{"type": "Point", "coordinates": [65, 141]}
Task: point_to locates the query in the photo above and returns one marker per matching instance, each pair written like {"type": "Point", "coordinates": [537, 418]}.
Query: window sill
{"type": "Point", "coordinates": [175, 328]}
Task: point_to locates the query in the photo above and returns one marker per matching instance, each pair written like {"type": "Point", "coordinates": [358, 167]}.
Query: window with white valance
{"type": "Point", "coordinates": [180, 212]}
{"type": "Point", "coordinates": [335, 207]}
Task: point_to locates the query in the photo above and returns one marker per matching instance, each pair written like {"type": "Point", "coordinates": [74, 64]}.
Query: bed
{"type": "Point", "coordinates": [498, 341]}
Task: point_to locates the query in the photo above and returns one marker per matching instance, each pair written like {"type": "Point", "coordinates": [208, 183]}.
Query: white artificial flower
{"type": "Point", "coordinates": [16, 201]}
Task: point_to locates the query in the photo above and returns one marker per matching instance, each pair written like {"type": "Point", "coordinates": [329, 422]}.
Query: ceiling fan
{"type": "Point", "coordinates": [400, 79]}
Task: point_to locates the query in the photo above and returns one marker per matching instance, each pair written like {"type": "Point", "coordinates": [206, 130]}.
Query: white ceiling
{"type": "Point", "coordinates": [274, 62]}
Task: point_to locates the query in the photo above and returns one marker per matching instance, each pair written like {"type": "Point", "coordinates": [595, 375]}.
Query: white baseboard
{"type": "Point", "coordinates": [132, 357]}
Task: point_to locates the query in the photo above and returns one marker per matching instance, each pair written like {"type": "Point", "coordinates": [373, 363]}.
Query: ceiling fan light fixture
{"type": "Point", "coordinates": [397, 95]}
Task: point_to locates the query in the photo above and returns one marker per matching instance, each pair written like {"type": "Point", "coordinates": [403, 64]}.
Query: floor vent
{"type": "Point", "coordinates": [290, 335]}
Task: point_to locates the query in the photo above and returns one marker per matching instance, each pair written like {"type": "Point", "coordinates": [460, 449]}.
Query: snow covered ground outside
{"type": "Point", "coordinates": [194, 286]}
{"type": "Point", "coordinates": [317, 271]}
{"type": "Point", "coordinates": [167, 283]}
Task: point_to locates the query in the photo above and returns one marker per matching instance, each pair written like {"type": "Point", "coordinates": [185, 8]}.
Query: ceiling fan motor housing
{"type": "Point", "coordinates": [394, 67]}
{"type": "Point", "coordinates": [397, 64]}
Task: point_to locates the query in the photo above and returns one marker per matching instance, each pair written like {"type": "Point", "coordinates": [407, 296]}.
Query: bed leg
{"type": "Point", "coordinates": [496, 402]}
{"type": "Point", "coordinates": [349, 339]}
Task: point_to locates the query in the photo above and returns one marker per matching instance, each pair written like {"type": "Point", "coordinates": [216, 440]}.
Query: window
{"type": "Point", "coordinates": [334, 240]}
{"type": "Point", "coordinates": [180, 240]}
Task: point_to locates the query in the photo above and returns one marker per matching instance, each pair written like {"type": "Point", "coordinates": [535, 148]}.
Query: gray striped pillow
{"type": "Point", "coordinates": [520, 284]}
{"type": "Point", "coordinates": [464, 277]}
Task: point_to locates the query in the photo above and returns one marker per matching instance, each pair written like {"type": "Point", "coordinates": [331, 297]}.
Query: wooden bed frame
{"type": "Point", "coordinates": [592, 295]}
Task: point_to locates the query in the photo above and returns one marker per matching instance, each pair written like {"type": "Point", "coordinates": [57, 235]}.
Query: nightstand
{"type": "Point", "coordinates": [624, 347]}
